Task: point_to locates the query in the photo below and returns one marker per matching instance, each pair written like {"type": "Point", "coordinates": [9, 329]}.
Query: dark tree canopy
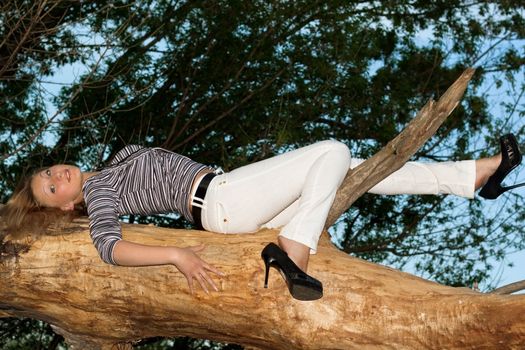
{"type": "Point", "coordinates": [232, 82]}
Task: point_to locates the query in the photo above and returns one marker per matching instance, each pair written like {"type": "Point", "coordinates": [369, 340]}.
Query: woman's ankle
{"type": "Point", "coordinates": [485, 167]}
{"type": "Point", "coordinates": [298, 252]}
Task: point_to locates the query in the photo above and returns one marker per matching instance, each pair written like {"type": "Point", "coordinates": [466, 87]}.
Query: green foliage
{"type": "Point", "coordinates": [27, 334]}
{"type": "Point", "coordinates": [232, 82]}
{"type": "Point", "coordinates": [183, 343]}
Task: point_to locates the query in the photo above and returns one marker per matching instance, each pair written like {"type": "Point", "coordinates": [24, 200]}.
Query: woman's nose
{"type": "Point", "coordinates": [58, 175]}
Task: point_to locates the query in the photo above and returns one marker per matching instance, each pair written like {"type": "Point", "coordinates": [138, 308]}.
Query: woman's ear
{"type": "Point", "coordinates": [68, 207]}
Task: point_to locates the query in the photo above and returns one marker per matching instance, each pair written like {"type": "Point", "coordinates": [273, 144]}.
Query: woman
{"type": "Point", "coordinates": [293, 191]}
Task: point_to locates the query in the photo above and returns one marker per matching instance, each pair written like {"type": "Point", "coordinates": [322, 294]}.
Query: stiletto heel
{"type": "Point", "coordinates": [267, 273]}
{"type": "Point", "coordinates": [510, 158]}
{"type": "Point", "coordinates": [300, 285]}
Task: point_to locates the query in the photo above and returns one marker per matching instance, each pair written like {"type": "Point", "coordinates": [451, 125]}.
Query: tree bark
{"type": "Point", "coordinates": [62, 280]}
{"type": "Point", "coordinates": [510, 288]}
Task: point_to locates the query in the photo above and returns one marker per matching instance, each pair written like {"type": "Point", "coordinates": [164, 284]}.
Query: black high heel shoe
{"type": "Point", "coordinates": [510, 159]}
{"type": "Point", "coordinates": [300, 285]}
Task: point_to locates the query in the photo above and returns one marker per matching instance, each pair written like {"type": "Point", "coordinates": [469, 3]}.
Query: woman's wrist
{"type": "Point", "coordinates": [174, 255]}
{"type": "Point", "coordinates": [134, 254]}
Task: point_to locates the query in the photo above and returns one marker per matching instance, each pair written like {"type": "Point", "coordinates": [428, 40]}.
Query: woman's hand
{"type": "Point", "coordinates": [193, 267]}
{"type": "Point", "coordinates": [185, 259]}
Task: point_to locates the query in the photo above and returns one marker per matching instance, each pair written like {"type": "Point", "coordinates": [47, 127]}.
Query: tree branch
{"type": "Point", "coordinates": [510, 288]}
{"type": "Point", "coordinates": [399, 150]}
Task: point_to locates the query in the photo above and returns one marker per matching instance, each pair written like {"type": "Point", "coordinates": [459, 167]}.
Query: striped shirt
{"type": "Point", "coordinates": [141, 181]}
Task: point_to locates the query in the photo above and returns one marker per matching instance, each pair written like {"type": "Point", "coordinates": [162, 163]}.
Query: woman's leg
{"type": "Point", "coordinates": [457, 178]}
{"type": "Point", "coordinates": [460, 178]}
{"type": "Point", "coordinates": [248, 197]}
{"type": "Point", "coordinates": [485, 167]}
{"type": "Point", "coordinates": [296, 189]}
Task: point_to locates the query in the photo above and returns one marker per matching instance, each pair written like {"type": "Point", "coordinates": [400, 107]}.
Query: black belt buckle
{"type": "Point", "coordinates": [201, 193]}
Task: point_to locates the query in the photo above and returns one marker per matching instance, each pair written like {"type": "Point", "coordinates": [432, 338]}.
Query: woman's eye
{"type": "Point", "coordinates": [48, 172]}
{"type": "Point", "coordinates": [52, 188]}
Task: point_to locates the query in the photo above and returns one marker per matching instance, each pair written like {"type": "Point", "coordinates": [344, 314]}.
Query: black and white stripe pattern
{"type": "Point", "coordinates": [141, 181]}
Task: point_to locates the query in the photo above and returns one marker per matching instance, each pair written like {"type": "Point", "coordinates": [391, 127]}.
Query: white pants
{"type": "Point", "coordinates": [295, 190]}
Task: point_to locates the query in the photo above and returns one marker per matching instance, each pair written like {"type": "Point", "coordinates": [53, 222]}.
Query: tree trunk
{"type": "Point", "coordinates": [62, 280]}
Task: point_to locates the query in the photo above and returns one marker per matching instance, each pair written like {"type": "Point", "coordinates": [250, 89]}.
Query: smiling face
{"type": "Point", "coordinates": [59, 186]}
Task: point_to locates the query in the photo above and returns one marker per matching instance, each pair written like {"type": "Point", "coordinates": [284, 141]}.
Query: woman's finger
{"type": "Point", "coordinates": [190, 283]}
{"type": "Point", "coordinates": [197, 248]}
{"type": "Point", "coordinates": [213, 269]}
{"type": "Point", "coordinates": [202, 282]}
{"type": "Point", "coordinates": [210, 281]}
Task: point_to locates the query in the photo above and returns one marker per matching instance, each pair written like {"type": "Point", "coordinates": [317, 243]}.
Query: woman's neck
{"type": "Point", "coordinates": [85, 177]}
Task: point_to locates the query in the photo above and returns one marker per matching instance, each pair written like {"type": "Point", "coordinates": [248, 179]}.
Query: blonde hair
{"type": "Point", "coordinates": [21, 203]}
{"type": "Point", "coordinates": [23, 216]}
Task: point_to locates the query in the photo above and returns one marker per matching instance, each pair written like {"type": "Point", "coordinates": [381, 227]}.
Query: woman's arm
{"type": "Point", "coordinates": [101, 200]}
{"type": "Point", "coordinates": [127, 253]}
